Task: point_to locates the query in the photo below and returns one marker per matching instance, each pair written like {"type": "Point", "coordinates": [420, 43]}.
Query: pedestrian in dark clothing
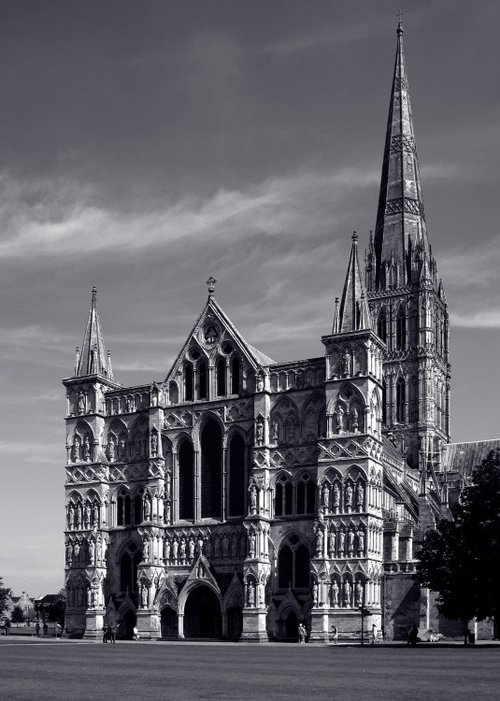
{"type": "Point", "coordinates": [45, 629]}
{"type": "Point", "coordinates": [412, 635]}
{"type": "Point", "coordinates": [37, 629]}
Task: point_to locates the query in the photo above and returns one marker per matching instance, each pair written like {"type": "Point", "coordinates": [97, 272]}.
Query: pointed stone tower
{"type": "Point", "coordinates": [405, 295]}
{"type": "Point", "coordinates": [347, 558]}
{"type": "Point", "coordinates": [86, 535]}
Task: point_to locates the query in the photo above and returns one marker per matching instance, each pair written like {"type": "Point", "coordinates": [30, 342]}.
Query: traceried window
{"type": "Point", "coordinates": [202, 380]}
{"type": "Point", "coordinates": [221, 377]}
{"type": "Point", "coordinates": [382, 325]}
{"type": "Point", "coordinates": [293, 564]}
{"type": "Point", "coordinates": [306, 495]}
{"type": "Point", "coordinates": [186, 481]}
{"type": "Point", "coordinates": [401, 329]}
{"type": "Point", "coordinates": [400, 400]}
{"type": "Point", "coordinates": [283, 498]}
{"type": "Point", "coordinates": [188, 382]}
{"type": "Point", "coordinates": [235, 375]}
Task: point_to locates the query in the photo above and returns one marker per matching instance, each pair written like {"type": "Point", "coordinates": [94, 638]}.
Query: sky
{"type": "Point", "coordinates": [147, 145]}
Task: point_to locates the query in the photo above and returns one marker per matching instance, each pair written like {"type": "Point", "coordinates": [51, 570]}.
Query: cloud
{"type": "Point", "coordinates": [47, 219]}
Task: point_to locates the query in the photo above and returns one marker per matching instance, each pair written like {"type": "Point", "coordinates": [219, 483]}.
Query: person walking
{"type": "Point", "coordinates": [335, 634]}
{"type": "Point", "coordinates": [37, 629]}
{"type": "Point", "coordinates": [374, 633]}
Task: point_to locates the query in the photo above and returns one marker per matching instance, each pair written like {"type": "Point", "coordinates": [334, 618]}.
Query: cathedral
{"type": "Point", "coordinates": [239, 496]}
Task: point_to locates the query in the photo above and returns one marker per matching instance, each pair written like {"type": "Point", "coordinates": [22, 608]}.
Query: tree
{"type": "Point", "coordinates": [460, 559]}
{"type": "Point", "coordinates": [17, 614]}
{"type": "Point", "coordinates": [5, 593]}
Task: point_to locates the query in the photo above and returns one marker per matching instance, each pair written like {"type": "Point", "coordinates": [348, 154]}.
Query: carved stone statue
{"type": "Point", "coordinates": [354, 420]}
{"type": "Point", "coordinates": [347, 593]}
{"type": "Point", "coordinates": [145, 550]}
{"type": "Point", "coordinates": [111, 449]}
{"type": "Point", "coordinates": [360, 496]}
{"type": "Point", "coordinates": [339, 418]}
{"type": "Point", "coordinates": [336, 496]}
{"type": "Point", "coordinates": [166, 550]}
{"type": "Point", "coordinates": [81, 403]}
{"type": "Point", "coordinates": [199, 545]}
{"type": "Point", "coordinates": [275, 430]}
{"type": "Point", "coordinates": [332, 537]}
{"type": "Point", "coordinates": [335, 593]}
{"type": "Point", "coordinates": [361, 543]}
{"type": "Point", "coordinates": [191, 547]}
{"type": "Point", "coordinates": [315, 593]}
{"type": "Point", "coordinates": [175, 550]}
{"type": "Point", "coordinates": [348, 496]}
{"type": "Point", "coordinates": [144, 596]}
{"type": "Point", "coordinates": [319, 542]}
{"type": "Point", "coordinates": [346, 362]}
{"type": "Point", "coordinates": [154, 444]}
{"type": "Point", "coordinates": [253, 499]}
{"type": "Point", "coordinates": [251, 593]}
{"type": "Point", "coordinates": [123, 449]}
{"type": "Point", "coordinates": [260, 383]}
{"type": "Point", "coordinates": [251, 544]}
{"type": "Point", "coordinates": [75, 448]}
{"type": "Point", "coordinates": [359, 593]}
{"type": "Point", "coordinates": [259, 433]}
{"type": "Point", "coordinates": [147, 508]}
{"type": "Point", "coordinates": [225, 546]}
{"type": "Point", "coordinates": [350, 543]}
{"type": "Point", "coordinates": [325, 496]}
{"type": "Point", "coordinates": [86, 449]}
{"type": "Point", "coordinates": [341, 540]}
{"type": "Point", "coordinates": [182, 550]}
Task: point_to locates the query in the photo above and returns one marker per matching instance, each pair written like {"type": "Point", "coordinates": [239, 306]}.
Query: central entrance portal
{"type": "Point", "coordinates": [202, 614]}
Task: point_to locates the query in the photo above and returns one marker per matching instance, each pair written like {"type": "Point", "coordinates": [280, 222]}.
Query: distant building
{"type": "Point", "coordinates": [241, 496]}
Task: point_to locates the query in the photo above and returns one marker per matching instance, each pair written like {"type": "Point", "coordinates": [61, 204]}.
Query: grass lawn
{"type": "Point", "coordinates": [187, 671]}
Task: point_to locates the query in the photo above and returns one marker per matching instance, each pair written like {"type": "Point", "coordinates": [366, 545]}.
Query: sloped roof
{"type": "Point", "coordinates": [465, 457]}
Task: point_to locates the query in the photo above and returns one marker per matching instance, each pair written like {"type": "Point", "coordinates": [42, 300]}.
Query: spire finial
{"type": "Point", "coordinates": [400, 29]}
{"type": "Point", "coordinates": [94, 296]}
{"type": "Point", "coordinates": [211, 285]}
{"type": "Point", "coordinates": [355, 236]}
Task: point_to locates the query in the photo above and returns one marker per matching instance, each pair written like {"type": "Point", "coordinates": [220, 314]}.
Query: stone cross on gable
{"type": "Point", "coordinates": [211, 285]}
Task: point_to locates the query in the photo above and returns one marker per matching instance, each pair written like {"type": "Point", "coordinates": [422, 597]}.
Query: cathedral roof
{"type": "Point", "coordinates": [400, 228]}
{"type": "Point", "coordinates": [354, 312]}
{"type": "Point", "coordinates": [213, 319]}
{"type": "Point", "coordinates": [93, 359]}
{"type": "Point", "coordinates": [465, 457]}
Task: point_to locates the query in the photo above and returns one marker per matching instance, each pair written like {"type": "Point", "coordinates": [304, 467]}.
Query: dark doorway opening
{"type": "Point", "coordinates": [168, 623]}
{"type": "Point", "coordinates": [202, 614]}
{"type": "Point", "coordinates": [126, 624]}
{"type": "Point", "coordinates": [292, 627]}
{"type": "Point", "coordinates": [234, 623]}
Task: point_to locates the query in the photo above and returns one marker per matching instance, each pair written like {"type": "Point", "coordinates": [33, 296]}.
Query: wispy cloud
{"type": "Point", "coordinates": [45, 220]}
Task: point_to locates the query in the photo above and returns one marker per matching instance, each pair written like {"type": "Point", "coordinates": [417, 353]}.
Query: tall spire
{"type": "Point", "coordinates": [93, 359]}
{"type": "Point", "coordinates": [400, 227]}
{"type": "Point", "coordinates": [353, 313]}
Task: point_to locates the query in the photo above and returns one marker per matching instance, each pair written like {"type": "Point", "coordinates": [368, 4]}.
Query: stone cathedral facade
{"type": "Point", "coordinates": [241, 496]}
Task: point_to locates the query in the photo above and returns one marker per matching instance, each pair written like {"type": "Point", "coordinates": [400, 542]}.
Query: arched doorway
{"type": "Point", "coordinates": [168, 623]}
{"type": "Point", "coordinates": [202, 614]}
{"type": "Point", "coordinates": [127, 620]}
{"type": "Point", "coordinates": [234, 622]}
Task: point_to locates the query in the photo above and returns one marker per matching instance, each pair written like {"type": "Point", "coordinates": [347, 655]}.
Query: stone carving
{"type": "Point", "coordinates": [334, 593]}
{"type": "Point", "coordinates": [81, 403]}
{"type": "Point", "coordinates": [360, 496]}
{"type": "Point", "coordinates": [347, 593]}
{"type": "Point", "coordinates": [348, 496]}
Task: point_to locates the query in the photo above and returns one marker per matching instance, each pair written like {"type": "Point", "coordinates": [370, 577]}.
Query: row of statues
{"type": "Point", "coordinates": [82, 552]}
{"type": "Point", "coordinates": [334, 499]}
{"type": "Point", "coordinates": [82, 516]}
{"type": "Point", "coordinates": [183, 550]}
{"type": "Point", "coordinates": [341, 593]}
{"type": "Point", "coordinates": [341, 542]}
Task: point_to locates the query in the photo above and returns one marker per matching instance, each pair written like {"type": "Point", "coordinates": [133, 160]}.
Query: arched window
{"type": "Point", "coordinates": [382, 325]}
{"type": "Point", "coordinates": [221, 377]}
{"type": "Point", "coordinates": [173, 390]}
{"type": "Point", "coordinates": [293, 564]}
{"type": "Point", "coordinates": [202, 380]}
{"type": "Point", "coordinates": [186, 481]}
{"type": "Point", "coordinates": [188, 382]}
{"type": "Point", "coordinates": [400, 400]}
{"type": "Point", "coordinates": [306, 495]}
{"type": "Point", "coordinates": [138, 508]}
{"type": "Point", "coordinates": [128, 569]}
{"type": "Point", "coordinates": [123, 509]}
{"type": "Point", "coordinates": [235, 375]}
{"type": "Point", "coordinates": [283, 499]}
{"type": "Point", "coordinates": [401, 329]}
{"type": "Point", "coordinates": [236, 476]}
{"type": "Point", "coordinates": [211, 471]}
{"type": "Point", "coordinates": [384, 402]}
